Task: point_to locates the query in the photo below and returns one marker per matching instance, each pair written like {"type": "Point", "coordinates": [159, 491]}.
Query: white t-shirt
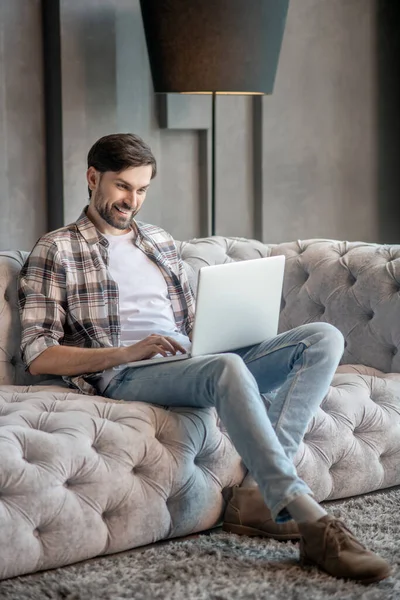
{"type": "Point", "coordinates": [144, 304]}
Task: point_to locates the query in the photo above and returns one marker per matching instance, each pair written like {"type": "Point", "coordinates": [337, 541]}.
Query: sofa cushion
{"type": "Point", "coordinates": [352, 285]}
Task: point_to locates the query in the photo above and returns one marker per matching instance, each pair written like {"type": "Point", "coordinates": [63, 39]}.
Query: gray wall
{"type": "Point", "coordinates": [22, 175]}
{"type": "Point", "coordinates": [320, 127]}
{"type": "Point", "coordinates": [300, 163]}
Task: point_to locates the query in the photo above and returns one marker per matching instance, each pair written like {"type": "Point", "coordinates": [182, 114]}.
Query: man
{"type": "Point", "coordinates": [108, 290]}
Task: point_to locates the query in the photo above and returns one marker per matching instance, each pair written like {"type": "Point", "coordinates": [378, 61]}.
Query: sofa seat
{"type": "Point", "coordinates": [83, 476]}
{"type": "Point", "coordinates": [352, 445]}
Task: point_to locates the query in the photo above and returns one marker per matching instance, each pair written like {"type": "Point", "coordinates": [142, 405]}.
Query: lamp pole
{"type": "Point", "coordinates": [213, 160]}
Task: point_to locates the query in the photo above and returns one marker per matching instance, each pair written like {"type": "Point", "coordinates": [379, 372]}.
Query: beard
{"type": "Point", "coordinates": [111, 215]}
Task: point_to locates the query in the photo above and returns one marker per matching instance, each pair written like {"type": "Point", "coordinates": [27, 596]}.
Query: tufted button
{"type": "Point", "coordinates": [352, 279]}
{"type": "Point", "coordinates": [6, 296]}
{"type": "Point", "coordinates": [36, 533]}
{"type": "Point", "coordinates": [66, 483]}
{"type": "Point", "coordinates": [394, 351]}
{"type": "Point", "coordinates": [13, 361]}
{"type": "Point", "coordinates": [385, 455]}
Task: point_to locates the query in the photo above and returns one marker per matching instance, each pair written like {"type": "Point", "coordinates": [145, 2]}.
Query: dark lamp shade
{"type": "Point", "coordinates": [205, 46]}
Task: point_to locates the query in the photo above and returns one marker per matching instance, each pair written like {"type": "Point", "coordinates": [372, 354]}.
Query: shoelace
{"type": "Point", "coordinates": [338, 531]}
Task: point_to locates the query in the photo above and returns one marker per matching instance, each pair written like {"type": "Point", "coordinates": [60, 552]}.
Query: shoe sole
{"type": "Point", "coordinates": [304, 562]}
{"type": "Point", "coordinates": [252, 532]}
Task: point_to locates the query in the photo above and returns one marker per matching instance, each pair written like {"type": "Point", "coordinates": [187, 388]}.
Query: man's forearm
{"type": "Point", "coordinates": [66, 360]}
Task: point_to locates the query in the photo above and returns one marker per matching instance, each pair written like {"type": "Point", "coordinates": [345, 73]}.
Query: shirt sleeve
{"type": "Point", "coordinates": [41, 300]}
{"type": "Point", "coordinates": [189, 296]}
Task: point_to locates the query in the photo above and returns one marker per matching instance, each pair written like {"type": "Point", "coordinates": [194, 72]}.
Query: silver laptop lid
{"type": "Point", "coordinates": [238, 304]}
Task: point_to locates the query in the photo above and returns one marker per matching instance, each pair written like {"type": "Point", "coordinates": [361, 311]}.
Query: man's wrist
{"type": "Point", "coordinates": [122, 355]}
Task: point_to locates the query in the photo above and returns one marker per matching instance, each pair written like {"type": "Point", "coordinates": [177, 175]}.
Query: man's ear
{"type": "Point", "coordinates": [92, 177]}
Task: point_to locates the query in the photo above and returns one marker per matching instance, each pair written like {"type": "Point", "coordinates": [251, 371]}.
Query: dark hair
{"type": "Point", "coordinates": [120, 151]}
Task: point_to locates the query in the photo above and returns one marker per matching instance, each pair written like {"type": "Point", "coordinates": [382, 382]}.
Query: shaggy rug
{"type": "Point", "coordinates": [221, 566]}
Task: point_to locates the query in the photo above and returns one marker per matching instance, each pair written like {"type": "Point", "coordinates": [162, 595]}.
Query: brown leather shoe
{"type": "Point", "coordinates": [247, 514]}
{"type": "Point", "coordinates": [329, 544]}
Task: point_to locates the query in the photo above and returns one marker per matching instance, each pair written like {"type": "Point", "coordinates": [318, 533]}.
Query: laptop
{"type": "Point", "coordinates": [237, 305]}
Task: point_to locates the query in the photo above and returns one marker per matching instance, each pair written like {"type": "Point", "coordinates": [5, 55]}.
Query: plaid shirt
{"type": "Point", "coordinates": [66, 295]}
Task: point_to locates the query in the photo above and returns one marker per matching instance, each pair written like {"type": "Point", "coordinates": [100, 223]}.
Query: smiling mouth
{"type": "Point", "coordinates": [123, 212]}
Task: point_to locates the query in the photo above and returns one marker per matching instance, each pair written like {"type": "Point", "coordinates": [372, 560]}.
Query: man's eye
{"type": "Point", "coordinates": [121, 185]}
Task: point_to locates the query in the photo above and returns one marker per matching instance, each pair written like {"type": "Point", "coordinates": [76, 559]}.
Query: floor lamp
{"type": "Point", "coordinates": [214, 47]}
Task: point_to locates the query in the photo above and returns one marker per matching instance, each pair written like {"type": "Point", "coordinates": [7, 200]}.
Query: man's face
{"type": "Point", "coordinates": [117, 197]}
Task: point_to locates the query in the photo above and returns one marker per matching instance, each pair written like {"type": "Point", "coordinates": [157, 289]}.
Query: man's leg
{"type": "Point", "coordinates": [301, 364]}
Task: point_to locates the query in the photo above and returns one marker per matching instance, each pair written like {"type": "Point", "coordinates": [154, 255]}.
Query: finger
{"type": "Point", "coordinates": [166, 343]}
{"type": "Point", "coordinates": [176, 345]}
{"type": "Point", "coordinates": [161, 341]}
{"type": "Point", "coordinates": [160, 349]}
{"type": "Point", "coordinates": [169, 342]}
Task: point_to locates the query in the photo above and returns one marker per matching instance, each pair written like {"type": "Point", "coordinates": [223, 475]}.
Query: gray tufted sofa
{"type": "Point", "coordinates": [82, 476]}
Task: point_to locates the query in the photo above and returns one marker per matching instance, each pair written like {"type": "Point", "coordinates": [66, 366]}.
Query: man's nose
{"type": "Point", "coordinates": [132, 199]}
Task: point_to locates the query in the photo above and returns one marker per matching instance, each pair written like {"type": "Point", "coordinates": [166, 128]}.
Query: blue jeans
{"type": "Point", "coordinates": [299, 364]}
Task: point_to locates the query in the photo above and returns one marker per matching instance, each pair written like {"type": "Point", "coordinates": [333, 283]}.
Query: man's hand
{"type": "Point", "coordinates": [152, 345]}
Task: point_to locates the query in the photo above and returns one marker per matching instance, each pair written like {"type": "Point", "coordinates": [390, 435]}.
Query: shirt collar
{"type": "Point", "coordinates": [93, 236]}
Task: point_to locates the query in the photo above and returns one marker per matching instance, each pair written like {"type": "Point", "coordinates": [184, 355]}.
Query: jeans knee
{"type": "Point", "coordinates": [334, 336]}
{"type": "Point", "coordinates": [329, 336]}
{"type": "Point", "coordinates": [228, 367]}
{"type": "Point", "coordinates": [230, 361]}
